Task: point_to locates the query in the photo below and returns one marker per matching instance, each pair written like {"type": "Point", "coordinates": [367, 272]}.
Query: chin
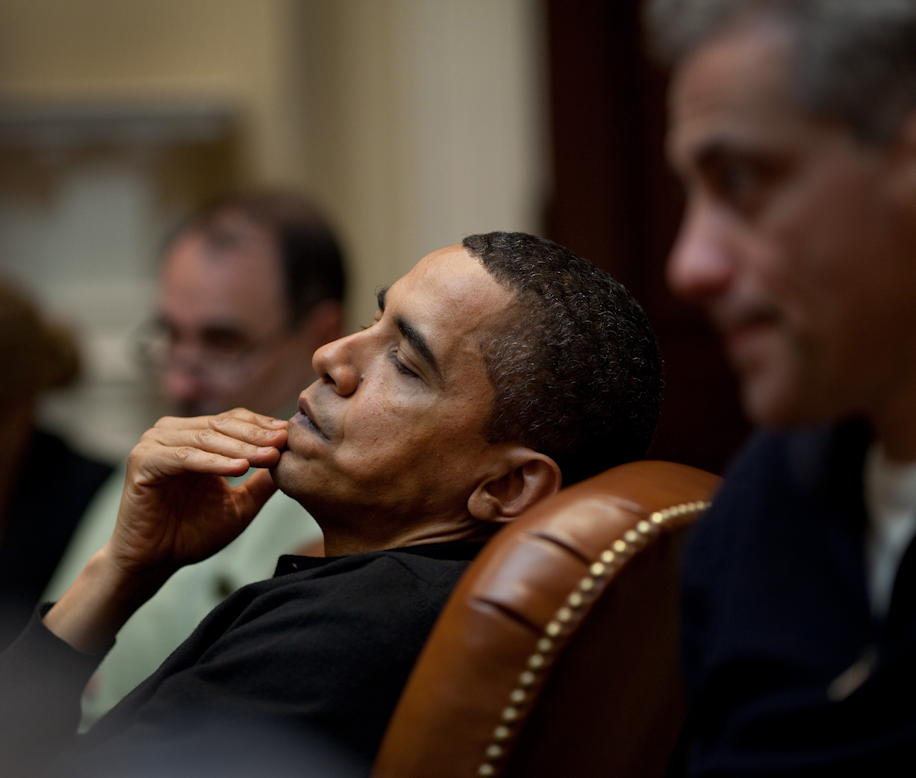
{"type": "Point", "coordinates": [281, 474]}
{"type": "Point", "coordinates": [290, 475]}
{"type": "Point", "coordinates": [783, 406]}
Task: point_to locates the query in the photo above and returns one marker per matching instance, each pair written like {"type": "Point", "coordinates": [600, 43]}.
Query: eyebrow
{"type": "Point", "coordinates": [413, 336]}
{"type": "Point", "coordinates": [700, 156]}
{"type": "Point", "coordinates": [717, 149]}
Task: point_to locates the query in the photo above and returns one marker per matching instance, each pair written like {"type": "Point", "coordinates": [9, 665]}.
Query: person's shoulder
{"type": "Point", "coordinates": [778, 462]}
{"type": "Point", "coordinates": [78, 469]}
{"type": "Point", "coordinates": [777, 477]}
{"type": "Point", "coordinates": [430, 564]}
{"type": "Point", "coordinates": [435, 561]}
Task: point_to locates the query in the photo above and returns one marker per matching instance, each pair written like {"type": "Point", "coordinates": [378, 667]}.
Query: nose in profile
{"type": "Point", "coordinates": [700, 265]}
{"type": "Point", "coordinates": [335, 363]}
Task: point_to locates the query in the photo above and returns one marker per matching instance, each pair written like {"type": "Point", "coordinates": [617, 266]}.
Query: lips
{"type": "Point", "coordinates": [306, 420]}
{"type": "Point", "coordinates": [745, 330]}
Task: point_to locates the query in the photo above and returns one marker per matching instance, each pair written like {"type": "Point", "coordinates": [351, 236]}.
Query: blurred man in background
{"type": "Point", "coordinates": [793, 125]}
{"type": "Point", "coordinates": [249, 287]}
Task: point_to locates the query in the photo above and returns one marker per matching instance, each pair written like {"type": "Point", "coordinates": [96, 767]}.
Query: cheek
{"type": "Point", "coordinates": [405, 442]}
{"type": "Point", "coordinates": [384, 432]}
{"type": "Point", "coordinates": [791, 267]}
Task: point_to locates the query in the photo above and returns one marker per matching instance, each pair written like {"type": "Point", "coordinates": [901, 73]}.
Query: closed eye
{"type": "Point", "coordinates": [399, 365]}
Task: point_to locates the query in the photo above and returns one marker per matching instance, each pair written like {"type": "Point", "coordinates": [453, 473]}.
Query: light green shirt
{"type": "Point", "coordinates": [156, 629]}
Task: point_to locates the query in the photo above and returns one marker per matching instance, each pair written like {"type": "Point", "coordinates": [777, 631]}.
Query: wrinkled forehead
{"type": "Point", "coordinates": [736, 85]}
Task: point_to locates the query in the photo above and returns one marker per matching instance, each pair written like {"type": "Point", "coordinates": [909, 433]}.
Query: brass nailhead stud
{"type": "Point", "coordinates": [545, 645]}
{"type": "Point", "coordinates": [554, 628]}
{"type": "Point", "coordinates": [631, 537]}
{"type": "Point", "coordinates": [517, 697]}
{"type": "Point", "coordinates": [564, 615]}
{"type": "Point", "coordinates": [597, 569]}
{"type": "Point", "coordinates": [608, 557]}
{"type": "Point", "coordinates": [575, 600]}
{"type": "Point", "coordinates": [502, 732]}
{"type": "Point", "coordinates": [494, 751]}
{"type": "Point", "coordinates": [620, 547]}
{"type": "Point", "coordinates": [485, 769]}
{"type": "Point", "coordinates": [536, 661]}
{"type": "Point", "coordinates": [527, 678]}
{"type": "Point", "coordinates": [509, 714]}
{"type": "Point", "coordinates": [587, 584]}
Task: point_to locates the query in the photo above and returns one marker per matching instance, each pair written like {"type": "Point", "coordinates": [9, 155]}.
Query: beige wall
{"type": "Point", "coordinates": [235, 52]}
{"type": "Point", "coordinates": [413, 122]}
{"type": "Point", "coordinates": [426, 123]}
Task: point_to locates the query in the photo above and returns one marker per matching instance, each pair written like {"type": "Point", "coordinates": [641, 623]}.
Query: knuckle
{"type": "Point", "coordinates": [224, 419]}
{"type": "Point", "coordinates": [184, 453]}
{"type": "Point", "coordinates": [205, 437]}
{"type": "Point", "coordinates": [135, 456]}
{"type": "Point", "coordinates": [268, 437]}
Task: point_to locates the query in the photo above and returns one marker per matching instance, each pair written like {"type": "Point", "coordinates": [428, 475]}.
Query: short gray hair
{"type": "Point", "coordinates": [854, 60]}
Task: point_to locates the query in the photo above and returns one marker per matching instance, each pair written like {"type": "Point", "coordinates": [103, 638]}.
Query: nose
{"type": "Point", "coordinates": [336, 363]}
{"type": "Point", "coordinates": [180, 385]}
{"type": "Point", "coordinates": [701, 264]}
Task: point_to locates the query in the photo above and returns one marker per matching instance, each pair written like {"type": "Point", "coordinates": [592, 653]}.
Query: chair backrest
{"type": "Point", "coordinates": [557, 653]}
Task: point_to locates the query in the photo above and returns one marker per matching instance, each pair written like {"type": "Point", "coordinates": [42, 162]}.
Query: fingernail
{"type": "Point", "coordinates": [278, 422]}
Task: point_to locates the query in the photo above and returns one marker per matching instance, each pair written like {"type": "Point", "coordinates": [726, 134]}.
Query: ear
{"type": "Point", "coordinates": [525, 478]}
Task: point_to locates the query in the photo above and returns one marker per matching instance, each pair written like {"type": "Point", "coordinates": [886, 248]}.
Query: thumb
{"type": "Point", "coordinates": [253, 493]}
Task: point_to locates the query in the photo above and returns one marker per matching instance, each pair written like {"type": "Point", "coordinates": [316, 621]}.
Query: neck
{"type": "Point", "coordinates": [339, 542]}
{"type": "Point", "coordinates": [895, 425]}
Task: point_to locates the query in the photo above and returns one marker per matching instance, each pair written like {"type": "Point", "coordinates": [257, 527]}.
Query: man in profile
{"type": "Point", "coordinates": [494, 371]}
{"type": "Point", "coordinates": [248, 284]}
{"type": "Point", "coordinates": [793, 126]}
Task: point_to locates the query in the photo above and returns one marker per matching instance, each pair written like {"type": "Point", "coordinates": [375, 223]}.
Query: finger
{"type": "Point", "coordinates": [251, 432]}
{"type": "Point", "coordinates": [182, 422]}
{"type": "Point", "coordinates": [243, 414]}
{"type": "Point", "coordinates": [215, 442]}
{"type": "Point", "coordinates": [251, 417]}
{"type": "Point", "coordinates": [151, 462]}
{"type": "Point", "coordinates": [254, 492]}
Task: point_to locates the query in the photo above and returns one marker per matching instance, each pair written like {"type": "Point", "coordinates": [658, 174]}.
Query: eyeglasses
{"type": "Point", "coordinates": [219, 352]}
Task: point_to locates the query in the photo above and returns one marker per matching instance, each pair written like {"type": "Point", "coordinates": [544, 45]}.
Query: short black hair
{"type": "Point", "coordinates": [311, 257]}
{"type": "Point", "coordinates": [575, 367]}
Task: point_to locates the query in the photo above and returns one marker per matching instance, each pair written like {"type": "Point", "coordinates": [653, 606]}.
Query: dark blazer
{"type": "Point", "coordinates": [776, 611]}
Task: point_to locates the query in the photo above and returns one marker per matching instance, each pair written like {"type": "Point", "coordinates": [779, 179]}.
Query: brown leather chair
{"type": "Point", "coordinates": [557, 654]}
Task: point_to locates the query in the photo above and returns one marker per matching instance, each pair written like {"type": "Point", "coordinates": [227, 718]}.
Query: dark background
{"type": "Point", "coordinates": [616, 202]}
